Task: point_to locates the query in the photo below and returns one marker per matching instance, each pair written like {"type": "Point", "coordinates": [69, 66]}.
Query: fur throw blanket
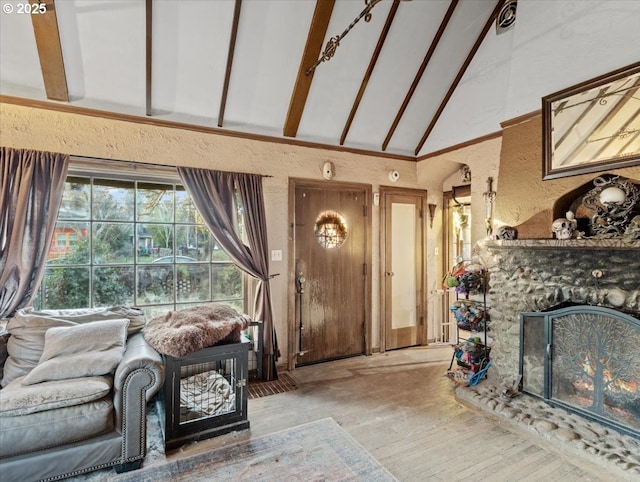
{"type": "Point", "coordinates": [179, 333]}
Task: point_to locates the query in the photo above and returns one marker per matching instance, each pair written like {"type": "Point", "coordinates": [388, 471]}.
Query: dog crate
{"type": "Point", "coordinates": [205, 394]}
{"type": "Point", "coordinates": [253, 336]}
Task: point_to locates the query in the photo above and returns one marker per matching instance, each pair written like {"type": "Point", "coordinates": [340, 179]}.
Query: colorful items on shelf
{"type": "Point", "coordinates": [465, 278]}
{"type": "Point", "coordinates": [472, 354]}
{"type": "Point", "coordinates": [469, 315]}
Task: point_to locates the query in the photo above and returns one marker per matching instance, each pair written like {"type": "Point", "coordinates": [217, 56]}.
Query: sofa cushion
{"type": "Point", "coordinates": [26, 342]}
{"type": "Point", "coordinates": [27, 329]}
{"type": "Point", "coordinates": [135, 316]}
{"type": "Point", "coordinates": [52, 428]}
{"type": "Point", "coordinates": [17, 399]}
{"type": "Point", "coordinates": [90, 349]}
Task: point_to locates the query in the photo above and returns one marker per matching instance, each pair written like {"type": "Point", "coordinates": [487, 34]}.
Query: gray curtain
{"type": "Point", "coordinates": [213, 194]}
{"type": "Point", "coordinates": [31, 186]}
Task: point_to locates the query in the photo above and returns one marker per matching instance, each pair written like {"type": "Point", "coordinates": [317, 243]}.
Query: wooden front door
{"type": "Point", "coordinates": [403, 264]}
{"type": "Point", "coordinates": [330, 250]}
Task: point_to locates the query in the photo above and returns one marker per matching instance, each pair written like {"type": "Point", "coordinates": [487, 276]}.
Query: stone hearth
{"type": "Point", "coordinates": [535, 275]}
{"type": "Point", "coordinates": [570, 432]}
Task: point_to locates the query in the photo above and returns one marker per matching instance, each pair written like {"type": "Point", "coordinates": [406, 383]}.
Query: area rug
{"type": "Point", "coordinates": [315, 451]}
{"type": "Point", "coordinates": [284, 383]}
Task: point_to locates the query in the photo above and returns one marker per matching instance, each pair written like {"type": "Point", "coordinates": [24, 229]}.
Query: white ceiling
{"type": "Point", "coordinates": [104, 54]}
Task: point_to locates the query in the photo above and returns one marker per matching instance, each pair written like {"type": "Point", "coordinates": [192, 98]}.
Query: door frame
{"type": "Point", "coordinates": [292, 337]}
{"type": "Point", "coordinates": [422, 315]}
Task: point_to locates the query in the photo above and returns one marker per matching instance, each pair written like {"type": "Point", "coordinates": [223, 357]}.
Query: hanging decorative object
{"type": "Point", "coordinates": [334, 42]}
{"type": "Point", "coordinates": [330, 229]}
{"type": "Point", "coordinates": [460, 219]}
{"type": "Point", "coordinates": [489, 199]}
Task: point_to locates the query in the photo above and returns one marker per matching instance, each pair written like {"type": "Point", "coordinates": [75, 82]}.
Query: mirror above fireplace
{"type": "Point", "coordinates": [593, 126]}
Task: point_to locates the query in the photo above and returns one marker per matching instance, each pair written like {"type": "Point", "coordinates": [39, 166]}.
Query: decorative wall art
{"type": "Point", "coordinates": [614, 203]}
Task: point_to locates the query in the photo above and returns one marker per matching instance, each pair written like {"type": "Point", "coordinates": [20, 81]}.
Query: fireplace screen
{"type": "Point", "coordinates": [586, 359]}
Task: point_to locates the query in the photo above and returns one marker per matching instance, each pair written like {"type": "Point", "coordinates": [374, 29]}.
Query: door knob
{"type": "Point", "coordinates": [300, 282]}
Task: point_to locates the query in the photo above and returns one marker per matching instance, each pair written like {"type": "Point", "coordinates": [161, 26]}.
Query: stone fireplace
{"type": "Point", "coordinates": [533, 276]}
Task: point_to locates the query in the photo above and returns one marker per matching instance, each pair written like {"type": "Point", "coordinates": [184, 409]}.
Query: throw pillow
{"type": "Point", "coordinates": [85, 350]}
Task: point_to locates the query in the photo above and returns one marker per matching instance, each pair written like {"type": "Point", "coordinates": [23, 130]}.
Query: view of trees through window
{"type": "Point", "coordinates": [120, 242]}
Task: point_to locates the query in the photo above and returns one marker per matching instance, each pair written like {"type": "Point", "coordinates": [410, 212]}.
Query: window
{"type": "Point", "coordinates": [126, 242]}
{"type": "Point", "coordinates": [460, 231]}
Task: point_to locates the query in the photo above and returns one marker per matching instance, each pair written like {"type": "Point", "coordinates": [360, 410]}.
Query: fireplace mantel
{"type": "Point", "coordinates": [613, 244]}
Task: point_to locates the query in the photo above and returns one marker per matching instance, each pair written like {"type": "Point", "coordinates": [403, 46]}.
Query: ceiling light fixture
{"type": "Point", "coordinates": [334, 42]}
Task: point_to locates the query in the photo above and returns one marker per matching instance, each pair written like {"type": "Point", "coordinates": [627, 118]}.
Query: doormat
{"type": "Point", "coordinates": [315, 451]}
{"type": "Point", "coordinates": [284, 383]}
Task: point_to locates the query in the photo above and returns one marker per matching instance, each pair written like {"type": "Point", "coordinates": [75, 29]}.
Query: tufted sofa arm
{"type": "Point", "coordinates": [138, 378]}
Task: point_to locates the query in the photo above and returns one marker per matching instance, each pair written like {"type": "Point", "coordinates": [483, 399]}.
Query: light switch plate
{"type": "Point", "coordinates": [276, 255]}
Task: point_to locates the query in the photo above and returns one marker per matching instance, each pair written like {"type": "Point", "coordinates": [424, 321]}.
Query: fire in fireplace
{"type": "Point", "coordinates": [585, 359]}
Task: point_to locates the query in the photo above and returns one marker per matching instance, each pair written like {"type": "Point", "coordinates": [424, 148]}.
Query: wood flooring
{"type": "Point", "coordinates": [401, 407]}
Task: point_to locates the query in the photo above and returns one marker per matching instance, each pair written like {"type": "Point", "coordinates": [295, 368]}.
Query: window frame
{"type": "Point", "coordinates": [139, 175]}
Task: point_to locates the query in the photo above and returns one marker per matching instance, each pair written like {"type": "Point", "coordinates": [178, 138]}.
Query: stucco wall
{"type": "Point", "coordinates": [483, 159]}
{"type": "Point", "coordinates": [24, 127]}
{"type": "Point", "coordinates": [524, 199]}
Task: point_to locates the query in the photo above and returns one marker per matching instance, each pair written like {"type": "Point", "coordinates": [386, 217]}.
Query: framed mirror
{"type": "Point", "coordinates": [593, 126]}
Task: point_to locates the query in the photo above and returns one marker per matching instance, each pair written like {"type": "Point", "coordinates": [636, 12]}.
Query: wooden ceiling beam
{"type": "Point", "coordinates": [315, 39]}
{"type": "Point", "coordinates": [461, 72]}
{"type": "Point", "coordinates": [230, 54]}
{"type": "Point", "coordinates": [372, 65]}
{"type": "Point", "coordinates": [45, 29]}
{"type": "Point", "coordinates": [420, 73]}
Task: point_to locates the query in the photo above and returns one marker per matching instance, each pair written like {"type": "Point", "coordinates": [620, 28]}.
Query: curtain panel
{"type": "Point", "coordinates": [31, 187]}
{"type": "Point", "coordinates": [213, 194]}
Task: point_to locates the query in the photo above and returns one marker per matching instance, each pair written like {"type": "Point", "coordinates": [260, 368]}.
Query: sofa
{"type": "Point", "coordinates": [75, 387]}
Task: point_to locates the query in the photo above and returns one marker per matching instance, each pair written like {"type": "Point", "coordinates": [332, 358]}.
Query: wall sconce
{"type": "Point", "coordinates": [432, 212]}
{"type": "Point", "coordinates": [489, 199]}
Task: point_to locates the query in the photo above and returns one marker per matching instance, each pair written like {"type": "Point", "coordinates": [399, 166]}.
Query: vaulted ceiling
{"type": "Point", "coordinates": [407, 77]}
